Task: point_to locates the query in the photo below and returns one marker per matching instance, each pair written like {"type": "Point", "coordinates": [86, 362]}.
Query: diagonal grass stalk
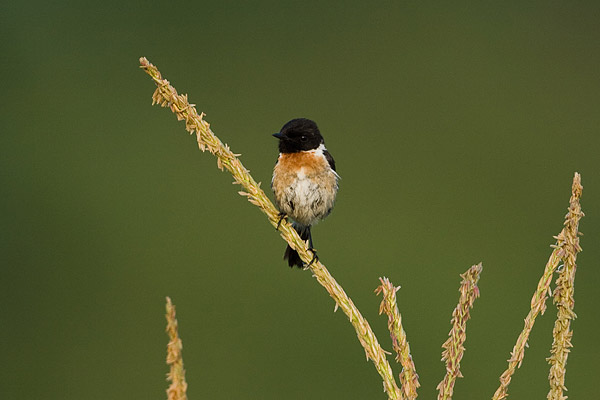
{"type": "Point", "coordinates": [166, 96]}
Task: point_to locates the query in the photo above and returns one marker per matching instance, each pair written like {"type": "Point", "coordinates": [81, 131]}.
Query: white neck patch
{"type": "Point", "coordinates": [319, 150]}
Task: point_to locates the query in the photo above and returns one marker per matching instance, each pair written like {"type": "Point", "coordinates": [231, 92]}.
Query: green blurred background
{"type": "Point", "coordinates": [456, 129]}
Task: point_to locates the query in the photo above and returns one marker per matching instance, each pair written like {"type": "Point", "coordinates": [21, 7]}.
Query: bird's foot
{"type": "Point", "coordinates": [281, 216]}
{"type": "Point", "coordinates": [314, 258]}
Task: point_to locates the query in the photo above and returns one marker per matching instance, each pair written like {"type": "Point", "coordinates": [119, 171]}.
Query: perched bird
{"type": "Point", "coordinates": [304, 182]}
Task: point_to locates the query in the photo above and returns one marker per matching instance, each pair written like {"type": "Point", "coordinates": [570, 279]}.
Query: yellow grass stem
{"type": "Point", "coordinates": [177, 389]}
{"type": "Point", "coordinates": [409, 380]}
{"type": "Point", "coordinates": [167, 96]}
{"type": "Point", "coordinates": [454, 346]}
{"type": "Point", "coordinates": [568, 243]}
{"type": "Point", "coordinates": [567, 239]}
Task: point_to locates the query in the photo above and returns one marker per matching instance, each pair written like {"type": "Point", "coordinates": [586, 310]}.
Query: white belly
{"type": "Point", "coordinates": [307, 202]}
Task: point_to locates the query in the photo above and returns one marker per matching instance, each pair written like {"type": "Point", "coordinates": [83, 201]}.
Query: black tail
{"type": "Point", "coordinates": [291, 255]}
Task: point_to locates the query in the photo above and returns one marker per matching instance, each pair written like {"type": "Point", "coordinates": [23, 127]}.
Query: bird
{"type": "Point", "coordinates": [305, 181]}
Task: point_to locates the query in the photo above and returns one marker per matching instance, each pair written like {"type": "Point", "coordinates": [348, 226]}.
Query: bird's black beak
{"type": "Point", "coordinates": [278, 135]}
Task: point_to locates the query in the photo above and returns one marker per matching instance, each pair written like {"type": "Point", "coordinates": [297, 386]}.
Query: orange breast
{"type": "Point", "coordinates": [311, 163]}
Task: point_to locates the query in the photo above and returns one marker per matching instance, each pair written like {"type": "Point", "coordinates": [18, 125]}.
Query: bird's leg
{"type": "Point", "coordinates": [311, 249]}
{"type": "Point", "coordinates": [281, 216]}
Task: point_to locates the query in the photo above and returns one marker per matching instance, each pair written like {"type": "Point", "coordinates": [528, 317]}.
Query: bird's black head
{"type": "Point", "coordinates": [297, 135]}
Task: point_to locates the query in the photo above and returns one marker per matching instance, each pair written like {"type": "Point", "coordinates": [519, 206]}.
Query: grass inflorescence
{"type": "Point", "coordinates": [409, 380]}
{"type": "Point", "coordinates": [454, 346]}
{"type": "Point", "coordinates": [178, 387]}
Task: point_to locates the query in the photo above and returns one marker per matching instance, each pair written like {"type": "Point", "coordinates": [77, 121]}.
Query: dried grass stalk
{"type": "Point", "coordinates": [568, 244]}
{"type": "Point", "coordinates": [166, 96]}
{"type": "Point", "coordinates": [177, 389]}
{"type": "Point", "coordinates": [409, 380]}
{"type": "Point", "coordinates": [454, 346]}
{"type": "Point", "coordinates": [538, 301]}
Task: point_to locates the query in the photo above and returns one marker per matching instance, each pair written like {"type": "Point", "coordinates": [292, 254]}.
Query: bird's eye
{"type": "Point", "coordinates": [303, 138]}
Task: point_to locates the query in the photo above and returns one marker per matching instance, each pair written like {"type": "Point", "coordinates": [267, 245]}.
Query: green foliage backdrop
{"type": "Point", "coordinates": [456, 129]}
